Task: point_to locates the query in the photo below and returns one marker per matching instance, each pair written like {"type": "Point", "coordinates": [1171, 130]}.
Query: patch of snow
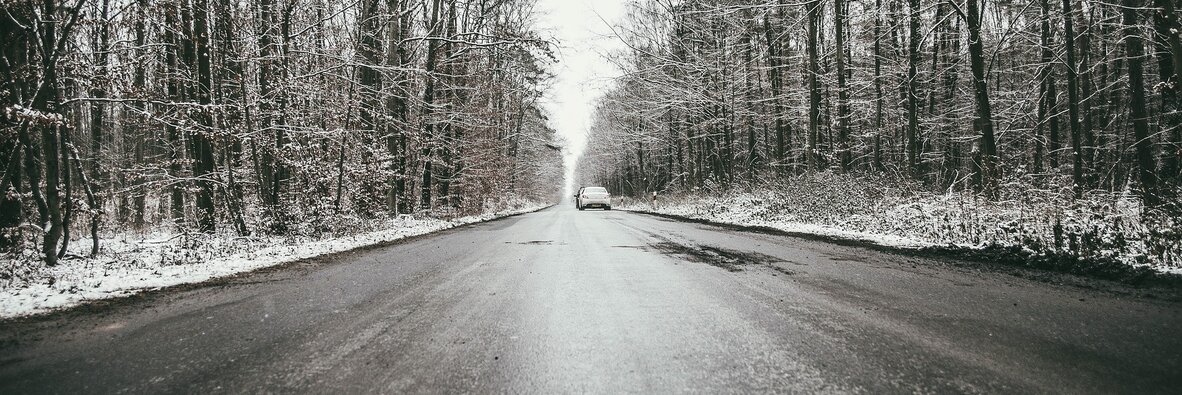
{"type": "Point", "coordinates": [128, 265]}
{"type": "Point", "coordinates": [1098, 226]}
{"type": "Point", "coordinates": [792, 227]}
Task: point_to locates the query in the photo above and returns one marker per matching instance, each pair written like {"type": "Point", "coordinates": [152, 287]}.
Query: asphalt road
{"type": "Point", "coordinates": [563, 301]}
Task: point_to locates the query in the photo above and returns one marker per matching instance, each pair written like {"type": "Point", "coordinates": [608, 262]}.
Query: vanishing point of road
{"type": "Point", "coordinates": [563, 301]}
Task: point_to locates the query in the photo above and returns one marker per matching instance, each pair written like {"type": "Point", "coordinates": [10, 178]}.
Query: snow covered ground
{"type": "Point", "coordinates": [133, 263]}
{"type": "Point", "coordinates": [746, 219]}
{"type": "Point", "coordinates": [1035, 222]}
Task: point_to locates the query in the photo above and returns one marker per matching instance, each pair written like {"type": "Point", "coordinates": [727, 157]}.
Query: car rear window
{"type": "Point", "coordinates": [595, 190]}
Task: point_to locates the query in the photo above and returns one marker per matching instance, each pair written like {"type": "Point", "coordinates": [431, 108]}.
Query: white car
{"type": "Point", "coordinates": [594, 197]}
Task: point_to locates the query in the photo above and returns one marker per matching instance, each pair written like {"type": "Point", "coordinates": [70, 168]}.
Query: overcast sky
{"type": "Point", "coordinates": [583, 31]}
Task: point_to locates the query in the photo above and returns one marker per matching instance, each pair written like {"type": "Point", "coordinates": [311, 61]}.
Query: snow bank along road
{"type": "Point", "coordinates": [568, 301]}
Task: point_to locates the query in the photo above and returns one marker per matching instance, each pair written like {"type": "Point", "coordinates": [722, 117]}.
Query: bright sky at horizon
{"type": "Point", "coordinates": [583, 30]}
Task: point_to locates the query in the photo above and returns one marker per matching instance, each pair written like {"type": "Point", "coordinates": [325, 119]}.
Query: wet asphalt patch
{"type": "Point", "coordinates": [730, 260]}
{"type": "Point", "coordinates": [536, 243]}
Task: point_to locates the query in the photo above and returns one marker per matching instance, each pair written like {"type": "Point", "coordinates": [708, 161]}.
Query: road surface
{"type": "Point", "coordinates": [563, 301]}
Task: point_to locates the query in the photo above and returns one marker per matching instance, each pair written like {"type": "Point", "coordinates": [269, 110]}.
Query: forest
{"type": "Point", "coordinates": [268, 117]}
{"type": "Point", "coordinates": [1066, 107]}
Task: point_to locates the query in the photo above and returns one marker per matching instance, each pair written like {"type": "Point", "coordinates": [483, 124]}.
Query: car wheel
{"type": "Point", "coordinates": [608, 208]}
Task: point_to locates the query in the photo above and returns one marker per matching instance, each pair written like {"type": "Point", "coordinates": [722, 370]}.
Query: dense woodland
{"type": "Point", "coordinates": [951, 95]}
{"type": "Point", "coordinates": [264, 116]}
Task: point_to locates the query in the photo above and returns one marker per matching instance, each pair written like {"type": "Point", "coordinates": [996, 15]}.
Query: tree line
{"type": "Point", "coordinates": [271, 116]}
{"type": "Point", "coordinates": [955, 95]}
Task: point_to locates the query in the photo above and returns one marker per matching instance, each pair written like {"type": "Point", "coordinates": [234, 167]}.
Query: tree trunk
{"type": "Point", "coordinates": [1086, 92]}
{"type": "Point", "coordinates": [91, 198]}
{"type": "Point", "coordinates": [1046, 84]}
{"type": "Point", "coordinates": [447, 129]}
{"type": "Point", "coordinates": [775, 79]}
{"type": "Point", "coordinates": [175, 147]}
{"type": "Point", "coordinates": [427, 152]}
{"type": "Point", "coordinates": [988, 147]}
{"type": "Point", "coordinates": [98, 91]}
{"type": "Point", "coordinates": [268, 162]}
{"type": "Point", "coordinates": [1135, 51]}
{"type": "Point", "coordinates": [913, 144]}
{"type": "Point", "coordinates": [878, 98]}
{"type": "Point", "coordinates": [753, 162]}
{"type": "Point", "coordinates": [68, 186]}
{"type": "Point", "coordinates": [11, 210]}
{"type": "Point", "coordinates": [843, 111]}
{"type": "Point", "coordinates": [203, 157]}
{"type": "Point", "coordinates": [1169, 57]}
{"type": "Point", "coordinates": [950, 55]}
{"type": "Point", "coordinates": [46, 101]}
{"type": "Point", "coordinates": [33, 166]}
{"type": "Point", "coordinates": [228, 77]}
{"type": "Point", "coordinates": [12, 146]}
{"type": "Point", "coordinates": [1073, 100]}
{"type": "Point", "coordinates": [138, 131]}
{"type": "Point", "coordinates": [397, 55]}
{"type": "Point", "coordinates": [814, 86]}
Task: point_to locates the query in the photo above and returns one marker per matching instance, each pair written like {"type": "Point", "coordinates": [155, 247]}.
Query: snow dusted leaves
{"type": "Point", "coordinates": [20, 113]}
